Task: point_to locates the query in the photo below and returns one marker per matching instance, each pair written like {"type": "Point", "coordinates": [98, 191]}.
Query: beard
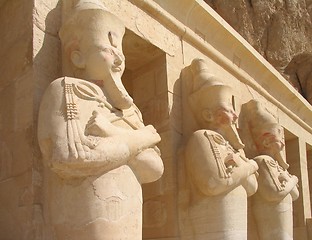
{"type": "Point", "coordinates": [280, 157]}
{"type": "Point", "coordinates": [229, 132]}
{"type": "Point", "coordinates": [116, 92]}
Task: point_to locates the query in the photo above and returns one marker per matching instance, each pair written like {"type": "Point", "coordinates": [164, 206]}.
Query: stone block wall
{"type": "Point", "coordinates": [16, 121]}
{"type": "Point", "coordinates": [30, 61]}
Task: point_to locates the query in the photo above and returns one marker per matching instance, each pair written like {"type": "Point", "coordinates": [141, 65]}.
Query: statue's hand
{"type": "Point", "coordinates": [151, 135]}
{"type": "Point", "coordinates": [239, 161]}
{"type": "Point", "coordinates": [253, 165]}
{"type": "Point", "coordinates": [143, 138]}
{"type": "Point", "coordinates": [137, 140]}
{"type": "Point", "coordinates": [284, 176]}
{"type": "Point", "coordinates": [99, 125]}
{"type": "Point", "coordinates": [250, 165]}
{"type": "Point", "coordinates": [294, 193]}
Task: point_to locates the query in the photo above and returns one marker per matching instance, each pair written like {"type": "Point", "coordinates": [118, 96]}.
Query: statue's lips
{"type": "Point", "coordinates": [116, 69]}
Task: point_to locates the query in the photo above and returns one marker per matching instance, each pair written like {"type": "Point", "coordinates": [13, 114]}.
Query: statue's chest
{"type": "Point", "coordinates": [84, 100]}
{"type": "Point", "coordinates": [125, 119]}
{"type": "Point", "coordinates": [221, 149]}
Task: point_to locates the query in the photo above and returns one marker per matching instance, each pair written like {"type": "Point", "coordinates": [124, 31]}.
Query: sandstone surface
{"type": "Point", "coordinates": [280, 30]}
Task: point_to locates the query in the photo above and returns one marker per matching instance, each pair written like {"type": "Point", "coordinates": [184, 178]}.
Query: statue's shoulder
{"type": "Point", "coordinates": [81, 86]}
{"type": "Point", "coordinates": [54, 92]}
{"type": "Point", "coordinates": [209, 149]}
{"type": "Point", "coordinates": [57, 83]}
{"type": "Point", "coordinates": [56, 86]}
{"type": "Point", "coordinates": [206, 140]}
{"type": "Point", "coordinates": [210, 135]}
{"type": "Point", "coordinates": [268, 161]}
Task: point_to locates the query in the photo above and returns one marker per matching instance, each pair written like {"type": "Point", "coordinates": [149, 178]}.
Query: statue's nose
{"type": "Point", "coordinates": [118, 60]}
{"type": "Point", "coordinates": [235, 117]}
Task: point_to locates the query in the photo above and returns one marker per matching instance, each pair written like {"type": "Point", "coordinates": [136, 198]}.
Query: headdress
{"type": "Point", "coordinates": [208, 90]}
{"type": "Point", "coordinates": [256, 121]}
{"type": "Point", "coordinates": [91, 20]}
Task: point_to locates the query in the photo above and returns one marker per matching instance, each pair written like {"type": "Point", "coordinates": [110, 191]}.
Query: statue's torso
{"type": "Point", "coordinates": [220, 216]}
{"type": "Point", "coordinates": [273, 217]}
{"type": "Point", "coordinates": [110, 204]}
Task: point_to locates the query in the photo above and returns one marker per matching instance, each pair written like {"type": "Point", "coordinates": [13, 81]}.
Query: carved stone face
{"type": "Point", "coordinates": [272, 144]}
{"type": "Point", "coordinates": [98, 60]}
{"type": "Point", "coordinates": [101, 60]}
{"type": "Point", "coordinates": [225, 115]}
{"type": "Point", "coordinates": [92, 48]}
{"type": "Point", "coordinates": [223, 121]}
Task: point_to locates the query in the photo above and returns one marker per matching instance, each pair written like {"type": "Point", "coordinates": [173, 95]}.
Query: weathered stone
{"type": "Point", "coordinates": [299, 71]}
{"type": "Point", "coordinates": [162, 38]}
{"type": "Point", "coordinates": [91, 134]}
{"type": "Point", "coordinates": [219, 177]}
{"type": "Point", "coordinates": [272, 204]}
{"type": "Point", "coordinates": [278, 30]}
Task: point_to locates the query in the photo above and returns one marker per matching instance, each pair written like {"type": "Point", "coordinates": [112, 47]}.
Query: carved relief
{"type": "Point", "coordinates": [272, 204]}
{"type": "Point", "coordinates": [96, 149]}
{"type": "Point", "coordinates": [219, 177]}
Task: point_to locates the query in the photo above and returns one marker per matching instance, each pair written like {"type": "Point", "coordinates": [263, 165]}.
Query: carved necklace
{"type": "Point", "coordinates": [272, 164]}
{"type": "Point", "coordinates": [217, 155]}
{"type": "Point", "coordinates": [76, 138]}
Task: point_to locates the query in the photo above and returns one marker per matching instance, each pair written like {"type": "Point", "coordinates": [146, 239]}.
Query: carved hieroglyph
{"type": "Point", "coordinates": [219, 177]}
{"type": "Point", "coordinates": [272, 204]}
{"type": "Point", "coordinates": [97, 151]}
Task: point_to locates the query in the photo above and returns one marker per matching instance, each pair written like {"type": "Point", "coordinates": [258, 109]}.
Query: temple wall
{"type": "Point", "coordinates": [176, 34]}
{"type": "Point", "coordinates": [16, 120]}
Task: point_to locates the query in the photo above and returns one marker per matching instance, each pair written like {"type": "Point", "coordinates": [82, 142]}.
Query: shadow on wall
{"type": "Point", "coordinates": [46, 68]}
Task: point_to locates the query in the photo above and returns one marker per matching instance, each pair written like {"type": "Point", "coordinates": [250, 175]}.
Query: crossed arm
{"type": "Point", "coordinates": [201, 164]}
{"type": "Point", "coordinates": [70, 149]}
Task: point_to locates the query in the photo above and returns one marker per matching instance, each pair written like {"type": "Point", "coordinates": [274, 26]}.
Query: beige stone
{"type": "Point", "coordinates": [278, 30]}
{"type": "Point", "coordinates": [161, 39]}
{"type": "Point", "coordinates": [219, 177]}
{"type": "Point", "coordinates": [97, 151]}
{"type": "Point", "coordinates": [272, 204]}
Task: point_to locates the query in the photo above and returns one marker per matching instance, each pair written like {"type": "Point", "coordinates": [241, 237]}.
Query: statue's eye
{"type": "Point", "coordinates": [108, 51]}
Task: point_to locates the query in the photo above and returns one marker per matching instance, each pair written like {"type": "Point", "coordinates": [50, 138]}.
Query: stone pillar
{"type": "Point", "coordinates": [297, 158]}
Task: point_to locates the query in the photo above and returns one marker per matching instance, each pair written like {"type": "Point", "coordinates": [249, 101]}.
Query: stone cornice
{"type": "Point", "coordinates": [266, 80]}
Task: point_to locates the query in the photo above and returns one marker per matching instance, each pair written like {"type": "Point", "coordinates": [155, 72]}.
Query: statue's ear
{"type": "Point", "coordinates": [77, 59]}
{"type": "Point", "coordinates": [207, 115]}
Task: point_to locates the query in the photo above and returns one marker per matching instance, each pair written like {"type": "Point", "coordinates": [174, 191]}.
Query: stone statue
{"type": "Point", "coordinates": [220, 176]}
{"type": "Point", "coordinates": [272, 204]}
{"type": "Point", "coordinates": [97, 151]}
